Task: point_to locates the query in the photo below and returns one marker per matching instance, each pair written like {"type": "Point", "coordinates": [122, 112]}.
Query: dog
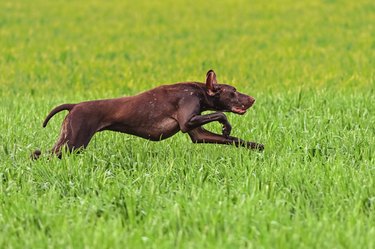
{"type": "Point", "coordinates": [155, 115]}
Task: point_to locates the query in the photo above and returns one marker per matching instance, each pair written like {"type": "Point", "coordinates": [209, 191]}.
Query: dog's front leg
{"type": "Point", "coordinates": [201, 135]}
{"type": "Point", "coordinates": [189, 118]}
{"type": "Point", "coordinates": [199, 120]}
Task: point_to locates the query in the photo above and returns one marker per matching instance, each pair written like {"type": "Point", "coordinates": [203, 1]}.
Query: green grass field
{"type": "Point", "coordinates": [309, 64]}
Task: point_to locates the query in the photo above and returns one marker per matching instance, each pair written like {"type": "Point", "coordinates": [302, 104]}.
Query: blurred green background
{"type": "Point", "coordinates": [106, 48]}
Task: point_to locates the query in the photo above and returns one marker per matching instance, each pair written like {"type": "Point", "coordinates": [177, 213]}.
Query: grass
{"type": "Point", "coordinates": [310, 65]}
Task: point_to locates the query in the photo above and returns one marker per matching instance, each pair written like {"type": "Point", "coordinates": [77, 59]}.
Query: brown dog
{"type": "Point", "coordinates": [156, 115]}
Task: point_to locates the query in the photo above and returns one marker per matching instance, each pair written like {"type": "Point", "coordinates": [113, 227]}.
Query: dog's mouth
{"type": "Point", "coordinates": [239, 110]}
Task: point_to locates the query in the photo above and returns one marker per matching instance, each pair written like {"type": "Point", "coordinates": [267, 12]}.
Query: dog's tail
{"type": "Point", "coordinates": [56, 110]}
{"type": "Point", "coordinates": [37, 153]}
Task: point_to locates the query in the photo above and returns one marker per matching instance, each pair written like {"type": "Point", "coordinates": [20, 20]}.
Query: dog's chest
{"type": "Point", "coordinates": [166, 124]}
{"type": "Point", "coordinates": [161, 129]}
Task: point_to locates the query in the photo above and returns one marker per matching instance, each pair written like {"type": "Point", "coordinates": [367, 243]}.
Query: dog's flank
{"type": "Point", "coordinates": [156, 115]}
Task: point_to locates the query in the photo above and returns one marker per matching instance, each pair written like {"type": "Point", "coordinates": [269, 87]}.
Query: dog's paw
{"type": "Point", "coordinates": [226, 130]}
{"type": "Point", "coordinates": [35, 155]}
{"type": "Point", "coordinates": [260, 147]}
{"type": "Point", "coordinates": [255, 146]}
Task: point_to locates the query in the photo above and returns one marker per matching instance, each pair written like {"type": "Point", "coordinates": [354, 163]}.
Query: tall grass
{"type": "Point", "coordinates": [310, 66]}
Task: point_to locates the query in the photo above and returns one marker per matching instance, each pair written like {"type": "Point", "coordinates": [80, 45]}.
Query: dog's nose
{"type": "Point", "coordinates": [252, 100]}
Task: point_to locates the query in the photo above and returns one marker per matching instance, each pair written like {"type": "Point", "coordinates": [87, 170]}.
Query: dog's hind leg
{"type": "Point", "coordinates": [75, 134]}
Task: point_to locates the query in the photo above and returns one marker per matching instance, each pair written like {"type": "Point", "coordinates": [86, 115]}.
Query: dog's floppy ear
{"type": "Point", "coordinates": [211, 82]}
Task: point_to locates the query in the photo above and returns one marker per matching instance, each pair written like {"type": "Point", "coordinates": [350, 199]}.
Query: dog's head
{"type": "Point", "coordinates": [225, 97]}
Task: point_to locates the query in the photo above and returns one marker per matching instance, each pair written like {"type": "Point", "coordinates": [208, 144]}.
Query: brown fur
{"type": "Point", "coordinates": [156, 115]}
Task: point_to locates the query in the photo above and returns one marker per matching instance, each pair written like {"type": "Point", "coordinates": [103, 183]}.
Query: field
{"type": "Point", "coordinates": [309, 64]}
